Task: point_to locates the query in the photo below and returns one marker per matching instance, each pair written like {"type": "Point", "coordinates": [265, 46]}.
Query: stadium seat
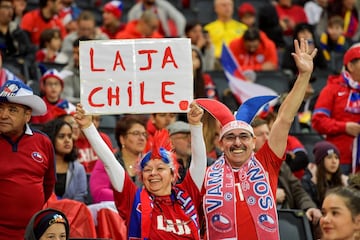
{"type": "Point", "coordinates": [21, 69]}
{"type": "Point", "coordinates": [107, 220]}
{"type": "Point", "coordinates": [336, 62]}
{"type": "Point", "coordinates": [31, 5]}
{"type": "Point", "coordinates": [205, 11]}
{"type": "Point", "coordinates": [276, 80]}
{"type": "Point", "coordinates": [309, 140]}
{"type": "Point", "coordinates": [79, 216]}
{"type": "Point", "coordinates": [220, 81]}
{"type": "Point", "coordinates": [111, 225]}
{"type": "Point", "coordinates": [107, 125]}
{"type": "Point", "coordinates": [294, 225]}
{"type": "Point", "coordinates": [189, 14]}
{"type": "Point", "coordinates": [89, 4]}
{"type": "Point", "coordinates": [34, 86]}
{"type": "Point", "coordinates": [256, 3]}
{"type": "Point", "coordinates": [321, 79]}
{"type": "Point", "coordinates": [108, 121]}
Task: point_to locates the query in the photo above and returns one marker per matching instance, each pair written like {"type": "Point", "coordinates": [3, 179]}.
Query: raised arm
{"type": "Point", "coordinates": [113, 168]}
{"type": "Point", "coordinates": [197, 167]}
{"type": "Point", "coordinates": [304, 61]}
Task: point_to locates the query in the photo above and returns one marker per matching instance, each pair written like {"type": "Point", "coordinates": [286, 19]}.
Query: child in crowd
{"type": "Point", "coordinates": [51, 87]}
{"type": "Point", "coordinates": [50, 45]}
{"type": "Point", "coordinates": [48, 224]}
{"type": "Point", "coordinates": [247, 14]}
{"type": "Point", "coordinates": [333, 42]}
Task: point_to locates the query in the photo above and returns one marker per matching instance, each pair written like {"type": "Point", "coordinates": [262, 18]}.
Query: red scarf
{"type": "Point", "coordinates": [219, 200]}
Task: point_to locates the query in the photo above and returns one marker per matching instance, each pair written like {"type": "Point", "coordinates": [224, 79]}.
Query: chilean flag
{"type": "Point", "coordinates": [239, 86]}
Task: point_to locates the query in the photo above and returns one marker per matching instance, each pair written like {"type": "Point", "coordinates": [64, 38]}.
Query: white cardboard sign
{"type": "Point", "coordinates": [136, 76]}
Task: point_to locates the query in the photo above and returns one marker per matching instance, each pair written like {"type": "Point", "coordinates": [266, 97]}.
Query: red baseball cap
{"type": "Point", "coordinates": [246, 8]}
{"type": "Point", "coordinates": [351, 54]}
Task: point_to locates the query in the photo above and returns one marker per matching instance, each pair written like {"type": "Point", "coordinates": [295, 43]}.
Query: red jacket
{"type": "Point", "coordinates": [330, 116]}
{"type": "Point", "coordinates": [266, 52]}
{"type": "Point", "coordinates": [34, 23]}
{"type": "Point", "coordinates": [294, 13]}
{"type": "Point", "coordinates": [130, 32]}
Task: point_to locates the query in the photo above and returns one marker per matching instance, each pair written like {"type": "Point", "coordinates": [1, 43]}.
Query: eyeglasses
{"type": "Point", "coordinates": [242, 136]}
{"type": "Point", "coordinates": [138, 134]}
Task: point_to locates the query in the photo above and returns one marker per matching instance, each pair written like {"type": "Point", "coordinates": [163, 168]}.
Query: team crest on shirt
{"type": "Point", "coordinates": [37, 157]}
{"type": "Point", "coordinates": [260, 58]}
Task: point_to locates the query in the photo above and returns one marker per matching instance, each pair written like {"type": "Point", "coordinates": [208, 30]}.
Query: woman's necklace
{"type": "Point", "coordinates": [130, 168]}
